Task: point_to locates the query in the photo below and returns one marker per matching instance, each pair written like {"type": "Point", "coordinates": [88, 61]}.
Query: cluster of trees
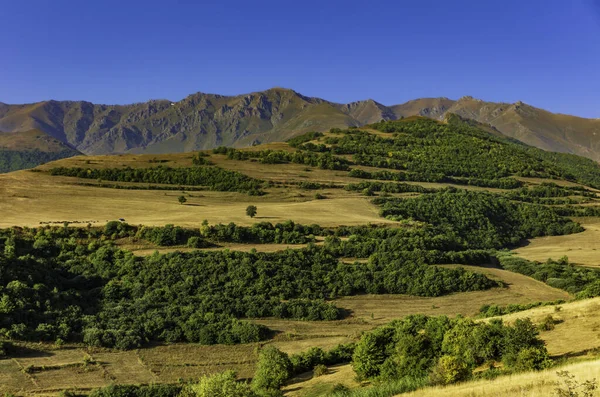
{"type": "Point", "coordinates": [55, 285]}
{"type": "Point", "coordinates": [300, 139]}
{"type": "Point", "coordinates": [585, 282]}
{"type": "Point", "coordinates": [547, 193]}
{"type": "Point", "coordinates": [12, 160]}
{"type": "Point", "coordinates": [201, 159]}
{"type": "Point", "coordinates": [321, 160]}
{"type": "Point", "coordinates": [159, 390]}
{"type": "Point", "coordinates": [262, 232]}
{"type": "Point", "coordinates": [445, 350]}
{"type": "Point", "coordinates": [369, 188]}
{"type": "Point", "coordinates": [455, 153]}
{"type": "Point", "coordinates": [214, 178]}
{"type": "Point", "coordinates": [578, 211]}
{"type": "Point", "coordinates": [403, 176]}
{"type": "Point", "coordinates": [495, 310]}
{"type": "Point", "coordinates": [480, 220]}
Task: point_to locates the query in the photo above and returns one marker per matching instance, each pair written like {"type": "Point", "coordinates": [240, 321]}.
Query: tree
{"type": "Point", "coordinates": [370, 353]}
{"type": "Point", "coordinates": [449, 369]}
{"type": "Point", "coordinates": [251, 211]}
{"type": "Point", "coordinates": [532, 358]}
{"type": "Point", "coordinates": [272, 370]}
{"type": "Point", "coordinates": [182, 199]}
{"type": "Point", "coordinates": [221, 385]}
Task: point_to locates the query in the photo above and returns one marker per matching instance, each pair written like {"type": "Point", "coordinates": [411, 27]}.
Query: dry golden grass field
{"type": "Point", "coordinates": [28, 198]}
{"type": "Point", "coordinates": [582, 248]}
{"type": "Point", "coordinates": [529, 384]}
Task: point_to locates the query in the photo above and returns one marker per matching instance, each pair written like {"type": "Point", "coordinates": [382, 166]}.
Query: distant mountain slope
{"type": "Point", "coordinates": [200, 121]}
{"type": "Point", "coordinates": [203, 121]}
{"type": "Point", "coordinates": [536, 127]}
{"type": "Point", "coordinates": [27, 149]}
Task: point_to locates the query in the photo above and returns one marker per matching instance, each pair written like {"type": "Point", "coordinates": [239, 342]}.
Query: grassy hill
{"type": "Point", "coordinates": [356, 229]}
{"type": "Point", "coordinates": [205, 121]}
{"type": "Point", "coordinates": [29, 149]}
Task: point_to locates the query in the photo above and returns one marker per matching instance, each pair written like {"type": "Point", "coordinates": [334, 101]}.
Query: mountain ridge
{"type": "Point", "coordinates": [205, 120]}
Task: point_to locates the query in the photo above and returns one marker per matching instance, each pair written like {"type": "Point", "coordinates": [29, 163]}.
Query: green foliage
{"type": "Point", "coordinates": [449, 369]}
{"type": "Point", "coordinates": [272, 370]}
{"type": "Point", "coordinates": [13, 160]}
{"type": "Point", "coordinates": [371, 352]}
{"type": "Point", "coordinates": [200, 159]}
{"type": "Point", "coordinates": [550, 193]}
{"type": "Point", "coordinates": [315, 356]}
{"type": "Point", "coordinates": [500, 183]}
{"type": "Point", "coordinates": [168, 235]}
{"type": "Point", "coordinates": [321, 160]}
{"type": "Point", "coordinates": [427, 147]}
{"type": "Point", "coordinates": [320, 370]}
{"type": "Point", "coordinates": [138, 391]}
{"type": "Point", "coordinates": [495, 310]}
{"type": "Point", "coordinates": [523, 335]}
{"type": "Point", "coordinates": [532, 359]}
{"type": "Point", "coordinates": [214, 178]}
{"type": "Point", "coordinates": [548, 323]}
{"type": "Point", "coordinates": [262, 233]}
{"type": "Point", "coordinates": [300, 139]}
{"type": "Point", "coordinates": [181, 199]}
{"type": "Point", "coordinates": [479, 220]}
{"type": "Point", "coordinates": [559, 274]}
{"type": "Point", "coordinates": [223, 384]}
{"type": "Point", "coordinates": [446, 349]}
{"type": "Point", "coordinates": [251, 211]}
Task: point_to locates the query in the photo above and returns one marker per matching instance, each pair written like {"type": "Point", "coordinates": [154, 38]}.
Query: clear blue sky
{"type": "Point", "coordinates": [544, 52]}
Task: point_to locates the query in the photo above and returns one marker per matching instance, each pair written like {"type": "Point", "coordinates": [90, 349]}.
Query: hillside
{"type": "Point", "coordinates": [28, 149]}
{"type": "Point", "coordinates": [205, 121]}
{"type": "Point", "coordinates": [149, 268]}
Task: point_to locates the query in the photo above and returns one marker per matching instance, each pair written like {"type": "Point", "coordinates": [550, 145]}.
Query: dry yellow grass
{"type": "Point", "coordinates": [306, 385]}
{"type": "Point", "coordinates": [384, 308]}
{"type": "Point", "coordinates": [581, 248]}
{"type": "Point", "coordinates": [530, 384]}
{"type": "Point", "coordinates": [30, 198]}
{"type": "Point", "coordinates": [579, 331]}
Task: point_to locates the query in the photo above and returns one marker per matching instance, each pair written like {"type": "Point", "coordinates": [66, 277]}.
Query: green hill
{"type": "Point", "coordinates": [29, 149]}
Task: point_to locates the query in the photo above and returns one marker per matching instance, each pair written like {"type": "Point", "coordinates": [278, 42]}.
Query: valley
{"type": "Point", "coordinates": [355, 230]}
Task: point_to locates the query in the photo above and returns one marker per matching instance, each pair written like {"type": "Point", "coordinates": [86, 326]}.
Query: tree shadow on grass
{"type": "Point", "coordinates": [20, 351]}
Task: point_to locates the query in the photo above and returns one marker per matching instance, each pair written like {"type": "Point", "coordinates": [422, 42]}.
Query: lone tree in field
{"type": "Point", "coordinates": [251, 211]}
{"type": "Point", "coordinates": [182, 199]}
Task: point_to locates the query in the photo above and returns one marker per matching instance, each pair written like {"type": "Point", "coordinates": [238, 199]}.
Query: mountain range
{"type": "Point", "coordinates": [204, 121]}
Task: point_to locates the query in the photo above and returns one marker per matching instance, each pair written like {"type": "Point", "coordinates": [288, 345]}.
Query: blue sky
{"type": "Point", "coordinates": [546, 53]}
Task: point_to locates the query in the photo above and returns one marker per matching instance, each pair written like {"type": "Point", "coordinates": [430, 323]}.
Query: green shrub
{"type": "Point", "coordinates": [272, 370]}
{"type": "Point", "coordinates": [449, 369]}
{"type": "Point", "coordinates": [532, 358]}
{"type": "Point", "coordinates": [320, 370]}
{"type": "Point", "coordinates": [220, 385]}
